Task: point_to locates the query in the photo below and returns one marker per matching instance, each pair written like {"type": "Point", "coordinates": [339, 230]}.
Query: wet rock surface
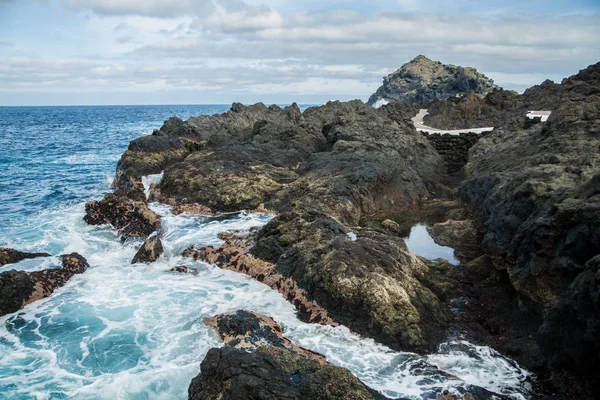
{"type": "Point", "coordinates": [131, 218]}
{"type": "Point", "coordinates": [234, 255]}
{"type": "Point", "coordinates": [258, 362]}
{"type": "Point", "coordinates": [20, 288]}
{"type": "Point", "coordinates": [11, 256]}
{"type": "Point", "coordinates": [423, 80]}
{"type": "Point", "coordinates": [149, 251]}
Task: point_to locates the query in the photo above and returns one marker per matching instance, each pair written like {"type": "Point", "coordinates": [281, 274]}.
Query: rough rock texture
{"type": "Point", "coordinates": [11, 256]}
{"type": "Point", "coordinates": [234, 255]}
{"type": "Point", "coordinates": [150, 250]}
{"type": "Point", "coordinates": [257, 362]}
{"type": "Point", "coordinates": [537, 192]}
{"type": "Point", "coordinates": [472, 111]}
{"type": "Point", "coordinates": [132, 218]}
{"type": "Point", "coordinates": [454, 149]}
{"type": "Point", "coordinates": [346, 159]}
{"type": "Point", "coordinates": [20, 288]}
{"type": "Point", "coordinates": [371, 284]}
{"type": "Point", "coordinates": [422, 80]}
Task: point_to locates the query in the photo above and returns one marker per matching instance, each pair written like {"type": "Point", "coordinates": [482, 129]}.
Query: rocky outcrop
{"type": "Point", "coordinates": [371, 284]}
{"type": "Point", "coordinates": [423, 80]}
{"type": "Point", "coordinates": [11, 256]}
{"type": "Point", "coordinates": [344, 158]}
{"type": "Point", "coordinates": [130, 217]}
{"type": "Point", "coordinates": [537, 194]}
{"type": "Point", "coordinates": [149, 251]}
{"type": "Point", "coordinates": [258, 362]}
{"type": "Point", "coordinates": [234, 255]}
{"type": "Point", "coordinates": [20, 288]}
{"type": "Point", "coordinates": [473, 111]}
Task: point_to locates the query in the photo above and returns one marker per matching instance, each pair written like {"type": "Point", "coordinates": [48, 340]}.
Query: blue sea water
{"type": "Point", "coordinates": [123, 331]}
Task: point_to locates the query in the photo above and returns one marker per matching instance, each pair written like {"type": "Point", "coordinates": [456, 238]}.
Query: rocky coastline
{"type": "Point", "coordinates": [344, 180]}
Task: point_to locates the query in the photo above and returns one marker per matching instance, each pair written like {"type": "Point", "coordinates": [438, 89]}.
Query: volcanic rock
{"type": "Point", "coordinates": [20, 288]}
{"type": "Point", "coordinates": [536, 191]}
{"type": "Point", "coordinates": [258, 362]}
{"type": "Point", "coordinates": [11, 256]}
{"type": "Point", "coordinates": [131, 218]}
{"type": "Point", "coordinates": [422, 80]}
{"type": "Point", "coordinates": [150, 250]}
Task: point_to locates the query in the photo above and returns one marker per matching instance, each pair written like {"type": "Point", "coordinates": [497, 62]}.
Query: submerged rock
{"type": "Point", "coordinates": [150, 250]}
{"type": "Point", "coordinates": [258, 362]}
{"type": "Point", "coordinates": [11, 256]}
{"type": "Point", "coordinates": [423, 80]}
{"type": "Point", "coordinates": [20, 288]}
{"type": "Point", "coordinates": [130, 217]}
{"type": "Point", "coordinates": [182, 269]}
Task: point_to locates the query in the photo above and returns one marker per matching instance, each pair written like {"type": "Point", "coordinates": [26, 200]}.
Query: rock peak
{"type": "Point", "coordinates": [422, 80]}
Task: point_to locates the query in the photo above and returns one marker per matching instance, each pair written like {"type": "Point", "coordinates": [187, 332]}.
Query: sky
{"type": "Point", "coordinates": [70, 52]}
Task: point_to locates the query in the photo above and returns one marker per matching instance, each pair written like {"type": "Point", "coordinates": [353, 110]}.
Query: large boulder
{"type": "Point", "coordinates": [20, 288]}
{"type": "Point", "coordinates": [422, 80]}
{"type": "Point", "coordinates": [258, 362]}
{"type": "Point", "coordinates": [11, 256]}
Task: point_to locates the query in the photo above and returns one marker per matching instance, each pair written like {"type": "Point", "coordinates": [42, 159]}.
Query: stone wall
{"type": "Point", "coordinates": [454, 149]}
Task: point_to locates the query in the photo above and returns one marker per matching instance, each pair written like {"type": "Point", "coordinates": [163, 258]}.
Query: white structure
{"type": "Point", "coordinates": [421, 127]}
{"type": "Point", "coordinates": [536, 114]}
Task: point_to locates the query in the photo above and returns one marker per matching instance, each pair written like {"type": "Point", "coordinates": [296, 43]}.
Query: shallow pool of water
{"type": "Point", "coordinates": [421, 243]}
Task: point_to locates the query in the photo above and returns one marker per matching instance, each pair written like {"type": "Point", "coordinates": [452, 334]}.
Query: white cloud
{"type": "Point", "coordinates": [228, 46]}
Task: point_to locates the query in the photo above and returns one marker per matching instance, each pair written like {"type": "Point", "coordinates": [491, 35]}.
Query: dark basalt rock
{"type": "Point", "coordinates": [150, 250]}
{"type": "Point", "coordinates": [536, 191]}
{"type": "Point", "coordinates": [20, 288]}
{"type": "Point", "coordinates": [344, 158]}
{"type": "Point", "coordinates": [132, 218]}
{"type": "Point", "coordinates": [472, 111]}
{"type": "Point", "coordinates": [11, 256]}
{"type": "Point", "coordinates": [258, 362]}
{"type": "Point", "coordinates": [423, 80]}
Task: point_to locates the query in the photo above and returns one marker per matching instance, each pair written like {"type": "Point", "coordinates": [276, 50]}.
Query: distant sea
{"type": "Point", "coordinates": [56, 156]}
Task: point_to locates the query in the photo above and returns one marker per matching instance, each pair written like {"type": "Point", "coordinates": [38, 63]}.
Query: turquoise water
{"type": "Point", "coordinates": [122, 331]}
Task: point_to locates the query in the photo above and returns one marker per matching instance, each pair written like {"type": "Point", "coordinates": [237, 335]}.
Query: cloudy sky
{"type": "Point", "coordinates": [219, 51]}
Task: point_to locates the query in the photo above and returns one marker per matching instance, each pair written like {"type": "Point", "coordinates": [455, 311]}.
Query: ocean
{"type": "Point", "coordinates": [123, 331]}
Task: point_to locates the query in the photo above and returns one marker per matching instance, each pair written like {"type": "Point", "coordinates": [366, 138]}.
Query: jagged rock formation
{"type": "Point", "coordinates": [423, 80]}
{"type": "Point", "coordinates": [344, 158]}
{"type": "Point", "coordinates": [473, 111]}
{"type": "Point", "coordinates": [20, 288]}
{"type": "Point", "coordinates": [537, 193]}
{"type": "Point", "coordinates": [131, 217]}
{"type": "Point", "coordinates": [258, 362]}
{"type": "Point", "coordinates": [11, 256]}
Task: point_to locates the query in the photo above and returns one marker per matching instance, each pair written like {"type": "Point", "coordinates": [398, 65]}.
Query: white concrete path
{"type": "Point", "coordinates": [421, 127]}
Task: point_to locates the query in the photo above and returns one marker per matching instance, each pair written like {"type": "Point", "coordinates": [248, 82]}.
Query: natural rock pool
{"type": "Point", "coordinates": [420, 242]}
